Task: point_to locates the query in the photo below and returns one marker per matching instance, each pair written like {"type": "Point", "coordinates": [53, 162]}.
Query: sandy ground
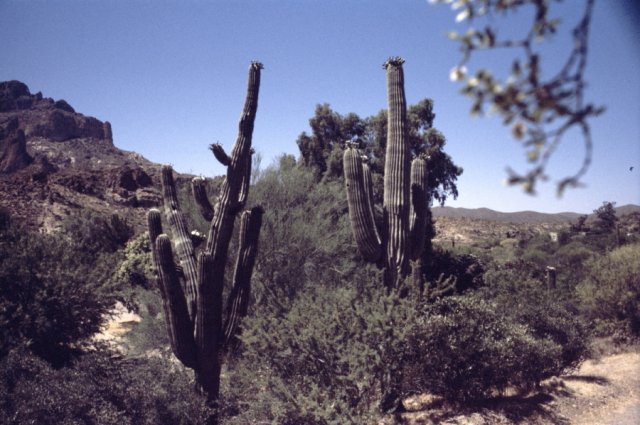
{"type": "Point", "coordinates": [603, 392]}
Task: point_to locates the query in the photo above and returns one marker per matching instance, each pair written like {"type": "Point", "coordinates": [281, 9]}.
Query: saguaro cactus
{"type": "Point", "coordinates": [402, 234]}
{"type": "Point", "coordinates": [192, 287]}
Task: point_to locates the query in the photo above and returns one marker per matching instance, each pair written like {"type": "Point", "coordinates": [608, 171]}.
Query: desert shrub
{"type": "Point", "coordinates": [305, 233]}
{"type": "Point", "coordinates": [150, 334]}
{"type": "Point", "coordinates": [134, 265]}
{"type": "Point", "coordinates": [324, 361]}
{"type": "Point", "coordinates": [610, 293]}
{"type": "Point", "coordinates": [570, 259]}
{"type": "Point", "coordinates": [332, 356]}
{"type": "Point", "coordinates": [466, 269]}
{"type": "Point", "coordinates": [94, 234]}
{"type": "Point", "coordinates": [466, 348]}
{"type": "Point", "coordinates": [50, 297]}
{"type": "Point", "coordinates": [96, 389]}
{"type": "Point", "coordinates": [549, 315]}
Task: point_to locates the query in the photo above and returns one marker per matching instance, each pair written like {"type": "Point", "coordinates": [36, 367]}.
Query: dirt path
{"type": "Point", "coordinates": [600, 392]}
{"type": "Point", "coordinates": [603, 392]}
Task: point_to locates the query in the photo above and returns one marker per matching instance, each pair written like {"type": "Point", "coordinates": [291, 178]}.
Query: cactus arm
{"type": "Point", "coordinates": [222, 223]}
{"type": "Point", "coordinates": [238, 302]}
{"type": "Point", "coordinates": [220, 154]}
{"type": "Point", "coordinates": [396, 176]}
{"type": "Point", "coordinates": [368, 185]}
{"type": "Point", "coordinates": [360, 208]}
{"type": "Point", "coordinates": [182, 238]}
{"type": "Point", "coordinates": [208, 327]}
{"type": "Point", "coordinates": [199, 191]}
{"type": "Point", "coordinates": [154, 227]}
{"type": "Point", "coordinates": [246, 179]}
{"type": "Point", "coordinates": [179, 324]}
{"type": "Point", "coordinates": [419, 181]}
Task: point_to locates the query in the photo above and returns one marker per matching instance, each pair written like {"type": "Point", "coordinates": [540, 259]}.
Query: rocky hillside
{"type": "Point", "coordinates": [54, 162]}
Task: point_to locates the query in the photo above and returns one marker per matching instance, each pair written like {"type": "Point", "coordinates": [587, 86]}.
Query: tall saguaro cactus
{"type": "Point", "coordinates": [191, 288]}
{"type": "Point", "coordinates": [402, 234]}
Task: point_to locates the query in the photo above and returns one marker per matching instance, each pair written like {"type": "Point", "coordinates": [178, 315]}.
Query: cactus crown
{"type": "Point", "coordinates": [393, 61]}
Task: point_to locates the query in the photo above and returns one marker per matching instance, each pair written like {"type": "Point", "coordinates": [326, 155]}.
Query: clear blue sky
{"type": "Point", "coordinates": [170, 76]}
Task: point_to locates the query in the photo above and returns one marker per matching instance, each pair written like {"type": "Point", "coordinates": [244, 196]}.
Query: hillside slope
{"type": "Point", "coordinates": [56, 162]}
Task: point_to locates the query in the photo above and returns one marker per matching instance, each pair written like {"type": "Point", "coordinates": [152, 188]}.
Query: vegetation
{"type": "Point", "coordinates": [321, 333]}
{"type": "Point", "coordinates": [321, 340]}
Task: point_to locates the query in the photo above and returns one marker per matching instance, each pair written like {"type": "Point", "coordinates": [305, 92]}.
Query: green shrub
{"type": "Point", "coordinates": [467, 269]}
{"type": "Point", "coordinates": [94, 234]}
{"type": "Point", "coordinates": [610, 294]}
{"type": "Point", "coordinates": [50, 297]}
{"type": "Point", "coordinates": [332, 356]}
{"type": "Point", "coordinates": [468, 349]}
{"type": "Point", "coordinates": [324, 361]}
{"type": "Point", "coordinates": [552, 315]}
{"type": "Point", "coordinates": [96, 389]}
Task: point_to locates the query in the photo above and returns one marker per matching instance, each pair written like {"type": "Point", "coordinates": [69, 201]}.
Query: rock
{"type": "Point", "coordinates": [108, 135]}
{"type": "Point", "coordinates": [44, 117]}
{"type": "Point", "coordinates": [62, 104]}
{"type": "Point", "coordinates": [56, 163]}
{"type": "Point", "coordinates": [130, 179]}
{"type": "Point", "coordinates": [14, 95]}
{"type": "Point", "coordinates": [13, 149]}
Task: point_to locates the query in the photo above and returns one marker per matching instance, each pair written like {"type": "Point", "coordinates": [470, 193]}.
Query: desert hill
{"type": "Point", "coordinates": [530, 217]}
{"type": "Point", "coordinates": [55, 162]}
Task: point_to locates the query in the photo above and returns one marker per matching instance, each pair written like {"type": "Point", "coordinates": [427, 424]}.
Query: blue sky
{"type": "Point", "coordinates": [170, 76]}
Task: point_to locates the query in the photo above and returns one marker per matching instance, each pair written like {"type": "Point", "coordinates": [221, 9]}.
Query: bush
{"type": "Point", "coordinates": [466, 269]}
{"type": "Point", "coordinates": [334, 356]}
{"type": "Point", "coordinates": [610, 294]}
{"type": "Point", "coordinates": [549, 314]}
{"type": "Point", "coordinates": [96, 389]}
{"type": "Point", "coordinates": [95, 234]}
{"type": "Point", "coordinates": [467, 349]}
{"type": "Point", "coordinates": [324, 361]}
{"type": "Point", "coordinates": [50, 297]}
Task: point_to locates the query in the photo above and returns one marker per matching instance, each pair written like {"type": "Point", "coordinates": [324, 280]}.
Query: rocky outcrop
{"type": "Point", "coordinates": [13, 148]}
{"type": "Point", "coordinates": [15, 95]}
{"type": "Point", "coordinates": [43, 117]}
{"type": "Point", "coordinates": [56, 162]}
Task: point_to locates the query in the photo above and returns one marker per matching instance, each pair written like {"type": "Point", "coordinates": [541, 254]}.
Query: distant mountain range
{"type": "Point", "coordinates": [530, 217]}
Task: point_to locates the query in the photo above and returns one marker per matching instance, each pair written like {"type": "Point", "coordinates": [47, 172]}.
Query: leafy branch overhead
{"type": "Point", "coordinates": [540, 107]}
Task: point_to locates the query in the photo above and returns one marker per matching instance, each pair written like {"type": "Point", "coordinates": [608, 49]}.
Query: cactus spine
{"type": "Point", "coordinates": [401, 236]}
{"type": "Point", "coordinates": [191, 288]}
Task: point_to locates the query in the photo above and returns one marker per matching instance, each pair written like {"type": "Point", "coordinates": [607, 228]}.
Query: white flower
{"type": "Point", "coordinates": [462, 15]}
{"type": "Point", "coordinates": [457, 73]}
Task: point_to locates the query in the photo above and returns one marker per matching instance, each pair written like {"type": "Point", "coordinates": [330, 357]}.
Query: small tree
{"type": "Point", "coordinates": [606, 219]}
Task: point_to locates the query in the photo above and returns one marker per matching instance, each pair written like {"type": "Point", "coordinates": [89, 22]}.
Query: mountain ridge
{"type": "Point", "coordinates": [527, 216]}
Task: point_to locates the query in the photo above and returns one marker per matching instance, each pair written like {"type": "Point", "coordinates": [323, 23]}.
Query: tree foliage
{"type": "Point", "coordinates": [605, 218]}
{"type": "Point", "coordinates": [322, 150]}
{"type": "Point", "coordinates": [540, 105]}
